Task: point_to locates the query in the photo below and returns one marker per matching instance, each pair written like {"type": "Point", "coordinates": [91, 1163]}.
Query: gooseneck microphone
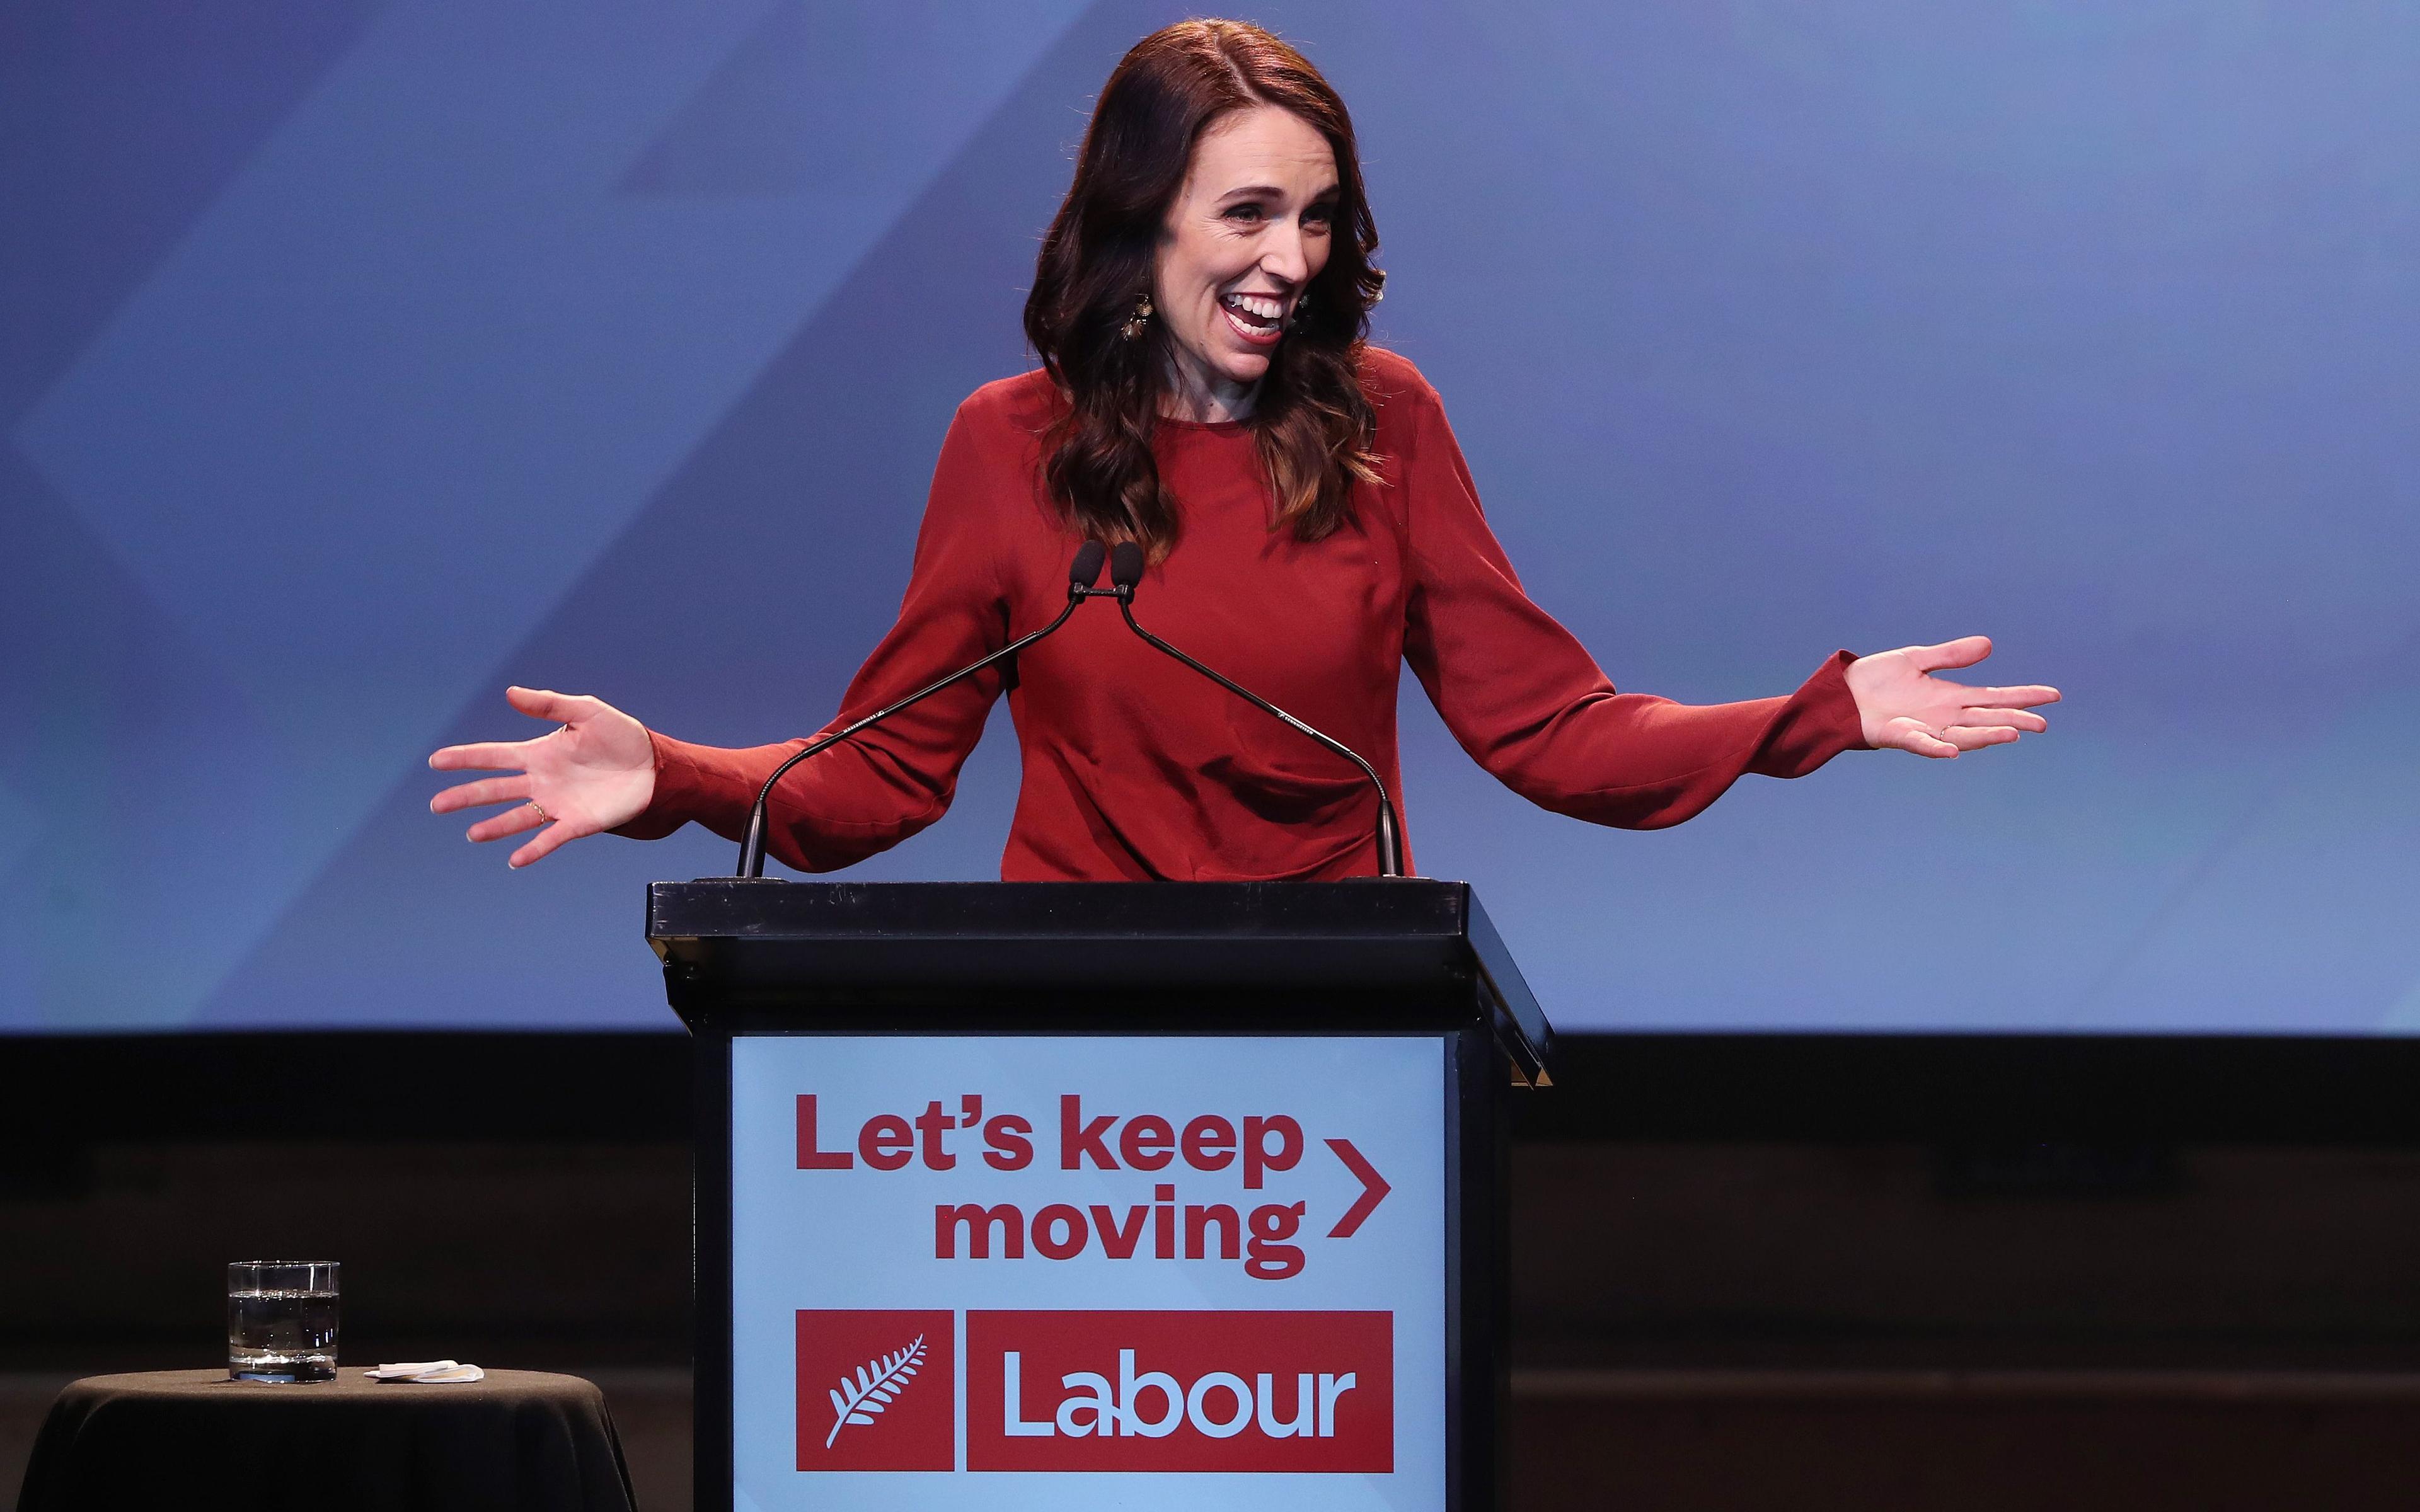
{"type": "Point", "coordinates": [1125, 572]}
{"type": "Point", "coordinates": [1084, 572]}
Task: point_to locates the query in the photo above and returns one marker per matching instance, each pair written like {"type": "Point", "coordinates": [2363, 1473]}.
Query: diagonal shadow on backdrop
{"type": "Point", "coordinates": [774, 555]}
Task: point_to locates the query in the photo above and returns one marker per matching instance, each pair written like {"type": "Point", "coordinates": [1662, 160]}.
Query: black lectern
{"type": "Point", "coordinates": [1183, 1195]}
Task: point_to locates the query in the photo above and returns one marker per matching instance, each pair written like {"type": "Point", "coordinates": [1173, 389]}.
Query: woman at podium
{"type": "Point", "coordinates": [1206, 393]}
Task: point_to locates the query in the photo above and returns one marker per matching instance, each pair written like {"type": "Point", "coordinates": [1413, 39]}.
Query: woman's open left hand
{"type": "Point", "coordinates": [594, 773]}
{"type": "Point", "coordinates": [1902, 705]}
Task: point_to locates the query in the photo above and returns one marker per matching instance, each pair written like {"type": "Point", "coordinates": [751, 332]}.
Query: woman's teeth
{"type": "Point", "coordinates": [1254, 310]}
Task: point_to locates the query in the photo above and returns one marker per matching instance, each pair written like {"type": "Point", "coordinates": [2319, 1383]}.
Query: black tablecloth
{"type": "Point", "coordinates": [516, 1442]}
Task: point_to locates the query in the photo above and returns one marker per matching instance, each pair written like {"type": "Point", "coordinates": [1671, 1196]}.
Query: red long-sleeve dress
{"type": "Point", "coordinates": [1139, 768]}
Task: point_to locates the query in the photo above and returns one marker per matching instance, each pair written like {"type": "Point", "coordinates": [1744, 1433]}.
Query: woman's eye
{"type": "Point", "coordinates": [1244, 212]}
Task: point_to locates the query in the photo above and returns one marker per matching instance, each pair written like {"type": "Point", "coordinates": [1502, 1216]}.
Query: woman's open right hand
{"type": "Point", "coordinates": [598, 772]}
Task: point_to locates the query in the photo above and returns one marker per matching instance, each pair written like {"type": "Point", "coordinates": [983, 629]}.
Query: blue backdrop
{"type": "Point", "coordinates": [360, 358]}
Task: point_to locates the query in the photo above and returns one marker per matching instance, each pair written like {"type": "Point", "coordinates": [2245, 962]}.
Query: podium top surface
{"type": "Point", "coordinates": [1408, 934]}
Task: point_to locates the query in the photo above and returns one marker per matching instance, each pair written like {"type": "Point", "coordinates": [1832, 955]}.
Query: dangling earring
{"type": "Point", "coordinates": [1136, 321]}
{"type": "Point", "coordinates": [1301, 303]}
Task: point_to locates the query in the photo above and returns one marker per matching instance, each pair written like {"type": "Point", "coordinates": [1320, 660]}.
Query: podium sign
{"type": "Point", "coordinates": [1073, 1196]}
{"type": "Point", "coordinates": [1052, 1271]}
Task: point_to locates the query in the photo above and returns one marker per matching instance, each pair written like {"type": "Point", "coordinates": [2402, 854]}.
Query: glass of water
{"type": "Point", "coordinates": [281, 1320]}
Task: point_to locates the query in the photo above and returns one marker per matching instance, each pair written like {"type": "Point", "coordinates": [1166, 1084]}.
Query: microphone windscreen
{"type": "Point", "coordinates": [1126, 565]}
{"type": "Point", "coordinates": [1087, 568]}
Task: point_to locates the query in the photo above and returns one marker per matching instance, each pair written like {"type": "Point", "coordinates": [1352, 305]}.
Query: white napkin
{"type": "Point", "coordinates": [428, 1372]}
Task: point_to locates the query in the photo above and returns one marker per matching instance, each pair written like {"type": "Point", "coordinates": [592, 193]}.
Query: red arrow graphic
{"type": "Point", "coordinates": [1374, 1189]}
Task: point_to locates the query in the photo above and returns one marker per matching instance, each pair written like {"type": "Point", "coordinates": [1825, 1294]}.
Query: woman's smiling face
{"type": "Point", "coordinates": [1245, 235]}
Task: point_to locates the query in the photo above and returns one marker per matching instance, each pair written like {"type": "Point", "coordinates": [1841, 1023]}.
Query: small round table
{"type": "Point", "coordinates": [518, 1441]}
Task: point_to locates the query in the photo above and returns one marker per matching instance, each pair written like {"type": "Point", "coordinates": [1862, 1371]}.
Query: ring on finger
{"type": "Point", "coordinates": [543, 817]}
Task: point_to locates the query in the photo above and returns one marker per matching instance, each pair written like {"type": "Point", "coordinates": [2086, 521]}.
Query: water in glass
{"type": "Point", "coordinates": [281, 1320]}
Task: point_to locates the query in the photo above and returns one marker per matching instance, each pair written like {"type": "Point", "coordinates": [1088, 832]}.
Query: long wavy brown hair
{"type": "Point", "coordinates": [1311, 424]}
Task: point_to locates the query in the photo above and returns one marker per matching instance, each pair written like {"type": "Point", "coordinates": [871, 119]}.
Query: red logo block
{"type": "Point", "coordinates": [876, 1391]}
{"type": "Point", "coordinates": [1181, 1391]}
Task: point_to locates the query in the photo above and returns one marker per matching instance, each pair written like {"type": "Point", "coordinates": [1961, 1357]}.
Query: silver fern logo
{"type": "Point", "coordinates": [861, 1397]}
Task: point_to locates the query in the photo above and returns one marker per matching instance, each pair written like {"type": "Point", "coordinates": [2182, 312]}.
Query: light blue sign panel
{"type": "Point", "coordinates": [1101, 1165]}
